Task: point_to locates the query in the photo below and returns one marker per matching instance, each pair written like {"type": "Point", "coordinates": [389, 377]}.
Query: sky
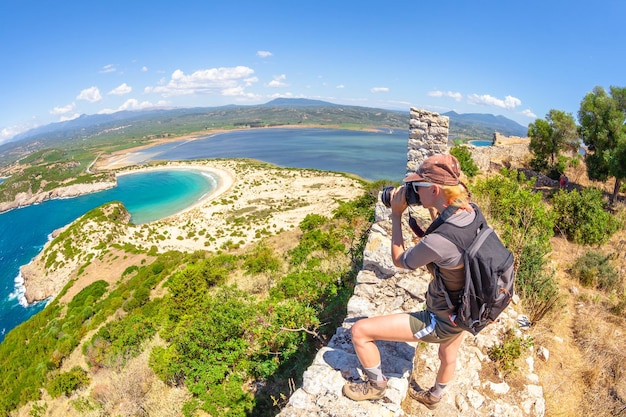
{"type": "Point", "coordinates": [61, 59]}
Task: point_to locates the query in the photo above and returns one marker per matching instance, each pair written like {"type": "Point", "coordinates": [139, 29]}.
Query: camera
{"type": "Point", "coordinates": [412, 197]}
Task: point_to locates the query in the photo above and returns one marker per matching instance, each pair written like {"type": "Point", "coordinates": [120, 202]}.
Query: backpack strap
{"type": "Point", "coordinates": [476, 224]}
{"type": "Point", "coordinates": [441, 219]}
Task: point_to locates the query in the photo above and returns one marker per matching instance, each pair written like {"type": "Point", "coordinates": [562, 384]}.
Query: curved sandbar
{"type": "Point", "coordinates": [225, 179]}
{"type": "Point", "coordinates": [253, 200]}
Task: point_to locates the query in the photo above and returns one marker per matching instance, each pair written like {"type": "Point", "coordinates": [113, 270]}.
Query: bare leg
{"type": "Point", "coordinates": [393, 328]}
{"type": "Point", "coordinates": [447, 356]}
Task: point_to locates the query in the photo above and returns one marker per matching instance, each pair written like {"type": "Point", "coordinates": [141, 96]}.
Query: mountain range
{"type": "Point", "coordinates": [281, 111]}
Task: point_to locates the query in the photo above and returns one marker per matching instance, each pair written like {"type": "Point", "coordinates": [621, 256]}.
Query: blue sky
{"type": "Point", "coordinates": [61, 59]}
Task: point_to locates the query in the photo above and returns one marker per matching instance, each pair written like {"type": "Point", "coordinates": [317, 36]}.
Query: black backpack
{"type": "Point", "coordinates": [489, 271]}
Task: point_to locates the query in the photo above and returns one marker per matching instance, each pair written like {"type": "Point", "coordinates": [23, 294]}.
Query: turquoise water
{"type": "Point", "coordinates": [481, 142]}
{"type": "Point", "coordinates": [148, 196]}
{"type": "Point", "coordinates": [153, 195]}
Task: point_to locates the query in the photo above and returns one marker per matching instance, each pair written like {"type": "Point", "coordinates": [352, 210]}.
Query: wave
{"type": "Point", "coordinates": [20, 291]}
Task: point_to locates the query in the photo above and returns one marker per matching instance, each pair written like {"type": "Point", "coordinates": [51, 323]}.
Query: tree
{"type": "Point", "coordinates": [549, 137]}
{"type": "Point", "coordinates": [602, 117]}
{"type": "Point", "coordinates": [464, 156]}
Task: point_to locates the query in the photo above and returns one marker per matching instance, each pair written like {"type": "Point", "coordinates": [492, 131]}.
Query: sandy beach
{"type": "Point", "coordinates": [253, 200]}
{"type": "Point", "coordinates": [225, 179]}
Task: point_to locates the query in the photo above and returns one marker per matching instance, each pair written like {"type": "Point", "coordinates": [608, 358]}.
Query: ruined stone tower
{"type": "Point", "coordinates": [428, 135]}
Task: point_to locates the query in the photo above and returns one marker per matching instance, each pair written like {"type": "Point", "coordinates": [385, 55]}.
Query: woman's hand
{"type": "Point", "coordinates": [398, 201]}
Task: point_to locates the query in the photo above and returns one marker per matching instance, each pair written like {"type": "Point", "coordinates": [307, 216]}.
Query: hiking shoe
{"type": "Point", "coordinates": [425, 397]}
{"type": "Point", "coordinates": [368, 390]}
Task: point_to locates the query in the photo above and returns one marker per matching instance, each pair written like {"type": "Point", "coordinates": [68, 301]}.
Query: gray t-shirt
{"type": "Point", "coordinates": [436, 248]}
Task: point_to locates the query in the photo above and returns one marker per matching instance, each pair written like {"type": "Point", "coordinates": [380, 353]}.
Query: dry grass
{"type": "Point", "coordinates": [586, 342]}
{"type": "Point", "coordinates": [109, 268]}
{"type": "Point", "coordinates": [137, 391]}
{"type": "Point", "coordinates": [583, 375]}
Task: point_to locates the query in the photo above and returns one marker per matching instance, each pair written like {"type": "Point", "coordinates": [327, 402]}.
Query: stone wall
{"type": "Point", "coordinates": [428, 135]}
{"type": "Point", "coordinates": [382, 288]}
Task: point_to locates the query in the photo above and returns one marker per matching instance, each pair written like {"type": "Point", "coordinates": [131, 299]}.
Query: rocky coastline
{"type": "Point", "coordinates": [28, 198]}
{"type": "Point", "coordinates": [281, 200]}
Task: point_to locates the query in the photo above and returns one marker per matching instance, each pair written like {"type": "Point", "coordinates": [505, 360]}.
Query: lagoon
{"type": "Point", "coordinates": [370, 155]}
{"type": "Point", "coordinates": [152, 195]}
{"type": "Point", "coordinates": [148, 196]}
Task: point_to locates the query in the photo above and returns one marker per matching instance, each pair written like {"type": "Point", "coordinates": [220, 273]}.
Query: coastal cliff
{"type": "Point", "coordinates": [24, 199]}
{"type": "Point", "coordinates": [281, 199]}
{"type": "Point", "coordinates": [71, 247]}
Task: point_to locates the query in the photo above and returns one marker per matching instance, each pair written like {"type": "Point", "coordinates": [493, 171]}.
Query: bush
{"type": "Point", "coordinates": [525, 225]}
{"type": "Point", "coordinates": [582, 218]}
{"type": "Point", "coordinates": [463, 154]}
{"type": "Point", "coordinates": [67, 382]}
{"type": "Point", "coordinates": [261, 259]}
{"type": "Point", "coordinates": [505, 354]}
{"type": "Point", "coordinates": [593, 269]}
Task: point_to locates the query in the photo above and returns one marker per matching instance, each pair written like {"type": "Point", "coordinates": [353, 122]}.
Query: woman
{"type": "Point", "coordinates": [438, 183]}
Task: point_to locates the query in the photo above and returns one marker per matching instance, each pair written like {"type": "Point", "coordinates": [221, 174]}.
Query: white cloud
{"type": "Point", "coordinates": [250, 81]}
{"type": "Point", "coordinates": [264, 54]}
{"type": "Point", "coordinates": [63, 110]}
{"type": "Point", "coordinates": [278, 81]}
{"type": "Point", "coordinates": [508, 103]}
{"type": "Point", "coordinates": [134, 104]}
{"type": "Point", "coordinates": [144, 69]}
{"type": "Point", "coordinates": [379, 90]}
{"type": "Point", "coordinates": [7, 133]}
{"type": "Point", "coordinates": [91, 94]}
{"type": "Point", "coordinates": [240, 94]}
{"type": "Point", "coordinates": [121, 90]}
{"type": "Point", "coordinates": [107, 68]}
{"type": "Point", "coordinates": [341, 86]}
{"type": "Point", "coordinates": [281, 95]}
{"type": "Point", "coordinates": [529, 113]}
{"type": "Point", "coordinates": [208, 81]}
{"type": "Point", "coordinates": [71, 117]}
{"type": "Point", "coordinates": [451, 94]}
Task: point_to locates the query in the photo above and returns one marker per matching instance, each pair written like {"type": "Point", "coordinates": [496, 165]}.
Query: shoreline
{"type": "Point", "coordinates": [123, 158]}
{"type": "Point", "coordinates": [224, 183]}
{"type": "Point", "coordinates": [280, 198]}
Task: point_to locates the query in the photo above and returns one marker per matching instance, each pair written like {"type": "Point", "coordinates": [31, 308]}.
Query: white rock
{"type": "Point", "coordinates": [543, 353]}
{"type": "Point", "coordinates": [475, 399]}
{"type": "Point", "coordinates": [501, 388]}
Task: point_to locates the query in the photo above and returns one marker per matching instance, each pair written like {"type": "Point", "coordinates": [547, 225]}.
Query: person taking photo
{"type": "Point", "coordinates": [438, 183]}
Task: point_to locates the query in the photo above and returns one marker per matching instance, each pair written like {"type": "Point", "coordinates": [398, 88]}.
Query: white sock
{"type": "Point", "coordinates": [437, 389]}
{"type": "Point", "coordinates": [375, 373]}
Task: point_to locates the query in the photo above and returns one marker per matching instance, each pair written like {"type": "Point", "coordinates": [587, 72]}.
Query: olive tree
{"type": "Point", "coordinates": [602, 117]}
{"type": "Point", "coordinates": [549, 137]}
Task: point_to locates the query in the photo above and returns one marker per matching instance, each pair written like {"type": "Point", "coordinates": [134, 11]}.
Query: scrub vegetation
{"type": "Point", "coordinates": [231, 351]}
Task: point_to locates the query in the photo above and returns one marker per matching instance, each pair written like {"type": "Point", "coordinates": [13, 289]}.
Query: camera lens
{"type": "Point", "coordinates": [385, 196]}
{"type": "Point", "coordinates": [411, 196]}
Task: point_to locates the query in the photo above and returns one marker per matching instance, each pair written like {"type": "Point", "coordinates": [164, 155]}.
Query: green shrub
{"type": "Point", "coordinates": [464, 155]}
{"type": "Point", "coordinates": [68, 382]}
{"type": "Point", "coordinates": [261, 259]}
{"type": "Point", "coordinates": [505, 354]}
{"type": "Point", "coordinates": [525, 225]}
{"type": "Point", "coordinates": [88, 295]}
{"type": "Point", "coordinates": [582, 218]}
{"type": "Point", "coordinates": [119, 340]}
{"type": "Point", "coordinates": [593, 269]}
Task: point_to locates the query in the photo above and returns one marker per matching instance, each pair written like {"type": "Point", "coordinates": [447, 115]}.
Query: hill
{"type": "Point", "coordinates": [133, 128]}
{"type": "Point", "coordinates": [475, 124]}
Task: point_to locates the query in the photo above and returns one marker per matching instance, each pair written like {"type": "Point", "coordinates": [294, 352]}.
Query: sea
{"type": "Point", "coordinates": [152, 195]}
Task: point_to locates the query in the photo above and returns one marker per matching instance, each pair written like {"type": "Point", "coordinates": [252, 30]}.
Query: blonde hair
{"type": "Point", "coordinates": [457, 195]}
